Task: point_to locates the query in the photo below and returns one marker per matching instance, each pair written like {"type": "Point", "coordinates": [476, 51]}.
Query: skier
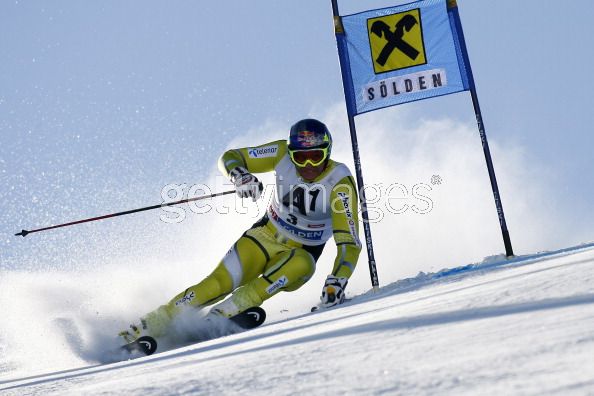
{"type": "Point", "coordinates": [315, 198]}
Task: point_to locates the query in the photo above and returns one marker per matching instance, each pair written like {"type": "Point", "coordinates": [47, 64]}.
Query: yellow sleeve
{"type": "Point", "coordinates": [345, 223]}
{"type": "Point", "coordinates": [257, 159]}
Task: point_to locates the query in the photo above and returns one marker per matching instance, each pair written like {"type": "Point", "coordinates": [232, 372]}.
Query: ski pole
{"type": "Point", "coordinates": [24, 233]}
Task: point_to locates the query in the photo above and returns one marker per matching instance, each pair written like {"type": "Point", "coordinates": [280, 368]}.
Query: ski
{"type": "Point", "coordinates": [317, 308]}
{"type": "Point", "coordinates": [248, 319]}
{"type": "Point", "coordinates": [145, 344]}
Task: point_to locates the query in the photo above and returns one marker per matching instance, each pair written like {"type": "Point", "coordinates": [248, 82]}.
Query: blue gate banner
{"type": "Point", "coordinates": [401, 54]}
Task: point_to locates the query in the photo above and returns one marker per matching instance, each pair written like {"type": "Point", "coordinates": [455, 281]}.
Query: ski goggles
{"type": "Point", "coordinates": [313, 157]}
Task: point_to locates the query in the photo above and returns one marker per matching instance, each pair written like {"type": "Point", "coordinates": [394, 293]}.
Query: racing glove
{"type": "Point", "coordinates": [246, 184]}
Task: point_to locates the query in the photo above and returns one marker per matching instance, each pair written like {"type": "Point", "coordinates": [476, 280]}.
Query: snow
{"type": "Point", "coordinates": [519, 326]}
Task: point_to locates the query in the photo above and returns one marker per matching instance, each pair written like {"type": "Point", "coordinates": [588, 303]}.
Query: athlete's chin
{"type": "Point", "coordinates": [309, 174]}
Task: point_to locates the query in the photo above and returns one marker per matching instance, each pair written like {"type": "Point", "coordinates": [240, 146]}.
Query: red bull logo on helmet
{"type": "Point", "coordinates": [309, 139]}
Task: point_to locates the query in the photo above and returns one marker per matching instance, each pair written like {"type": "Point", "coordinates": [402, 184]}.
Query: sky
{"type": "Point", "coordinates": [105, 104]}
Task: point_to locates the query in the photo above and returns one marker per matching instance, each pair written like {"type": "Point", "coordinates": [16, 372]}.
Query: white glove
{"type": "Point", "coordinates": [246, 184]}
{"type": "Point", "coordinates": [333, 291]}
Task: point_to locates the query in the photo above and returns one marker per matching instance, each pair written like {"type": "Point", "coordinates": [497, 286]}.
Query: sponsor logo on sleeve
{"type": "Point", "coordinates": [263, 152]}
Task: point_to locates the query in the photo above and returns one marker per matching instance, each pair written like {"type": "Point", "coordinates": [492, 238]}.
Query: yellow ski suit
{"type": "Point", "coordinates": [280, 251]}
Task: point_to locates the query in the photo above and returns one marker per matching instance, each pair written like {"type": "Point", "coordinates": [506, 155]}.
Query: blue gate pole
{"type": "Point", "coordinates": [453, 8]}
{"type": "Point", "coordinates": [347, 86]}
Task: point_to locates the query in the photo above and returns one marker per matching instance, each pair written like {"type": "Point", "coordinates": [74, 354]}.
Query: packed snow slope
{"type": "Point", "coordinates": [520, 326]}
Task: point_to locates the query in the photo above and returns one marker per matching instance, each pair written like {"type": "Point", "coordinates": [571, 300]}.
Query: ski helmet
{"type": "Point", "coordinates": [309, 134]}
